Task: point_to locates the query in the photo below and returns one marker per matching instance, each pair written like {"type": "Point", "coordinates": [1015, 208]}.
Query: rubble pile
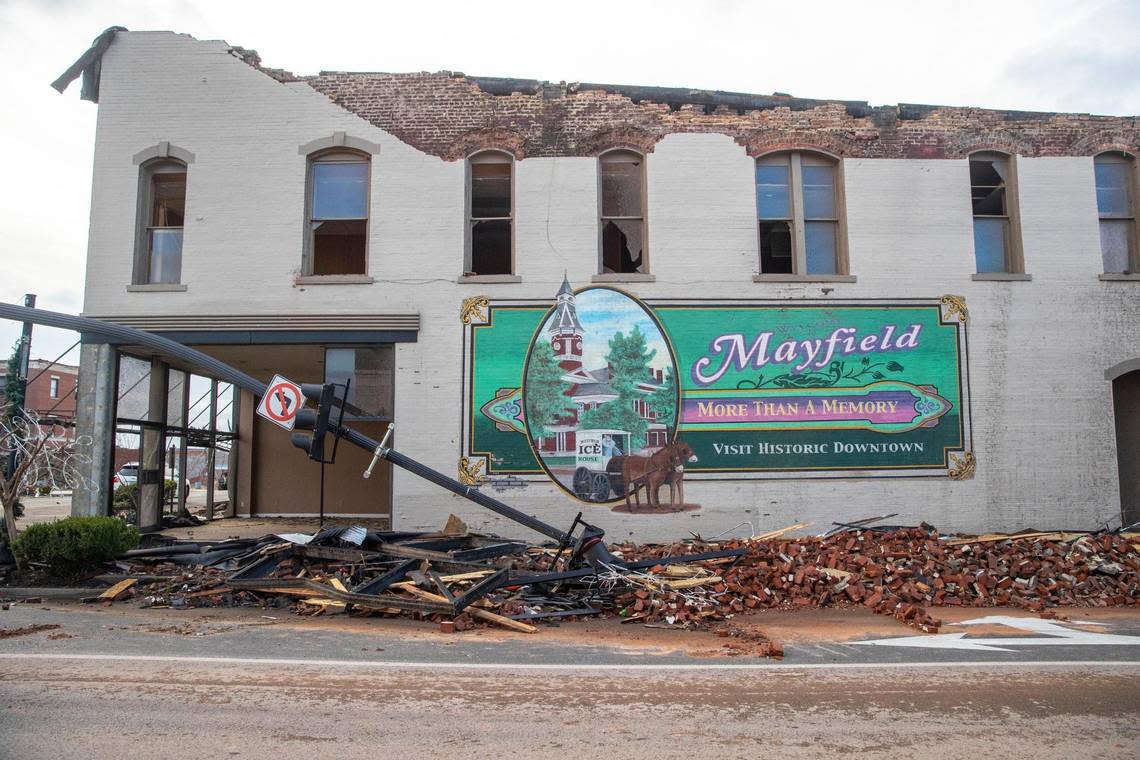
{"type": "Point", "coordinates": [462, 579]}
{"type": "Point", "coordinates": [903, 573]}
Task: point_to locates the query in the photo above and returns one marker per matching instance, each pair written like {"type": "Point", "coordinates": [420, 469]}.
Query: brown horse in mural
{"type": "Point", "coordinates": [654, 471]}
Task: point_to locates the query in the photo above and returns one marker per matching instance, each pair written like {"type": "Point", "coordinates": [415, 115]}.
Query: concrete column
{"type": "Point", "coordinates": [153, 465]}
{"type": "Point", "coordinates": [243, 477]}
{"type": "Point", "coordinates": [95, 429]}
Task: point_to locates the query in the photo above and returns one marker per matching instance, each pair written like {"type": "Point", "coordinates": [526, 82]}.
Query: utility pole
{"type": "Point", "coordinates": [22, 379]}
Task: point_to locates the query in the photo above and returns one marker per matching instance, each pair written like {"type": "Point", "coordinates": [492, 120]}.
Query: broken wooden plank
{"type": "Point", "coordinates": [683, 583]}
{"type": "Point", "coordinates": [777, 533]}
{"type": "Point", "coordinates": [478, 612]}
{"type": "Point", "coordinates": [118, 591]}
{"type": "Point", "coordinates": [112, 578]}
{"type": "Point", "coordinates": [205, 592]}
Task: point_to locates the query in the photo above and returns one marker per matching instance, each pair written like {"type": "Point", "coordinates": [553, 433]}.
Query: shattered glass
{"type": "Point", "coordinates": [776, 248]}
{"type": "Point", "coordinates": [622, 246]}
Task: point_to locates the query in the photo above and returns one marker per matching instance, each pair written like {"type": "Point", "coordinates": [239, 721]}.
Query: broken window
{"type": "Point", "coordinates": [988, 174]}
{"type": "Point", "coordinates": [797, 213]}
{"type": "Point", "coordinates": [338, 214]}
{"type": "Point", "coordinates": [997, 232]}
{"type": "Point", "coordinates": [490, 214]}
{"type": "Point", "coordinates": [622, 224]}
{"type": "Point", "coordinates": [371, 370]}
{"type": "Point", "coordinates": [1115, 193]}
{"type": "Point", "coordinates": [166, 212]}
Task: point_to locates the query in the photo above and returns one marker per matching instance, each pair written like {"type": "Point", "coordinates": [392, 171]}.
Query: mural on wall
{"type": "Point", "coordinates": [599, 393]}
{"type": "Point", "coordinates": [806, 389]}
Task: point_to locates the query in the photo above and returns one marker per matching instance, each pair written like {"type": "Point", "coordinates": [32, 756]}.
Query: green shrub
{"type": "Point", "coordinates": [74, 544]}
{"type": "Point", "coordinates": [126, 497]}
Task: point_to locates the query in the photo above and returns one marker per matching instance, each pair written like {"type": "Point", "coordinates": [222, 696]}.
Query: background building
{"type": "Point", "coordinates": [349, 225]}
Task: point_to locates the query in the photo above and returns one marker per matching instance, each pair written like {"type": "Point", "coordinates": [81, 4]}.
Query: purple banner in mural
{"type": "Point", "coordinates": [876, 407]}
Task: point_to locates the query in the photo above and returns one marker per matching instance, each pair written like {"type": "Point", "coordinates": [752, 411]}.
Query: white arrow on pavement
{"type": "Point", "coordinates": [1057, 635]}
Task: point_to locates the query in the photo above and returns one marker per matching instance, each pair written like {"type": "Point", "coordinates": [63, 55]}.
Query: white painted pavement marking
{"type": "Point", "coordinates": [396, 665]}
{"type": "Point", "coordinates": [1055, 634]}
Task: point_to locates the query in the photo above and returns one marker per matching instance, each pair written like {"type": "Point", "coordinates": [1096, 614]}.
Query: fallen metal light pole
{"type": "Point", "coordinates": [588, 544]}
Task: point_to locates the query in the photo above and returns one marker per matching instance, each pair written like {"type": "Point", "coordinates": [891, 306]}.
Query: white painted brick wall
{"type": "Point", "coordinates": [1042, 410]}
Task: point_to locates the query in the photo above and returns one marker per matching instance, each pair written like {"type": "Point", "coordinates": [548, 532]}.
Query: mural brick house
{"type": "Point", "coordinates": [589, 388]}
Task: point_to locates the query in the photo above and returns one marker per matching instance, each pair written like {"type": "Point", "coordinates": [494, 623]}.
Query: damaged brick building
{"type": "Point", "coordinates": [374, 226]}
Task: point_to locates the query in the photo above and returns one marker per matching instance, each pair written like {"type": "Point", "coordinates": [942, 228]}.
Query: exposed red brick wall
{"type": "Point", "coordinates": [38, 394]}
{"type": "Point", "coordinates": [451, 115]}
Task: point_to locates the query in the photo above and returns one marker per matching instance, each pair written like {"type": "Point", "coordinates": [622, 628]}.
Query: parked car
{"type": "Point", "coordinates": [128, 475]}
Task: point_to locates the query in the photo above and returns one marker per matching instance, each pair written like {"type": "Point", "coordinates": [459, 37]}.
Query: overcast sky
{"type": "Point", "coordinates": [1053, 56]}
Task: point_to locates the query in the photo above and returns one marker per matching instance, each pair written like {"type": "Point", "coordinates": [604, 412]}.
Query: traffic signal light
{"type": "Point", "coordinates": [316, 420]}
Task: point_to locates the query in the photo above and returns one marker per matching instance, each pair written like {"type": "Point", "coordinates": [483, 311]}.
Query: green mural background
{"type": "Point", "coordinates": [929, 375]}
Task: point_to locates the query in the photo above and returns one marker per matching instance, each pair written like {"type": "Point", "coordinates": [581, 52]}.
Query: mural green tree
{"type": "Point", "coordinates": [546, 398]}
{"type": "Point", "coordinates": [629, 359]}
{"type": "Point", "coordinates": [664, 399]}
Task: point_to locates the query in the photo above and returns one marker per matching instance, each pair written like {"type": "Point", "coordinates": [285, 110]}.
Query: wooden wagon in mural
{"type": "Point", "coordinates": [598, 463]}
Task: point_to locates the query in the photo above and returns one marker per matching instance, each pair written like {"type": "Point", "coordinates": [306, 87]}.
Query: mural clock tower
{"type": "Point", "coordinates": [565, 330]}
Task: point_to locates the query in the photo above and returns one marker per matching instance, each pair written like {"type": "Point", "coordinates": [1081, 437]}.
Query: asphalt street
{"type": "Point", "coordinates": [118, 683]}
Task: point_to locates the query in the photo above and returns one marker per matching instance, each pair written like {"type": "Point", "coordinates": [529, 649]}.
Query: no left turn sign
{"type": "Point", "coordinates": [281, 401]}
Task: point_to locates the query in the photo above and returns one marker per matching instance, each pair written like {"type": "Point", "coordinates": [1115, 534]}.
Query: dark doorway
{"type": "Point", "coordinates": [1126, 403]}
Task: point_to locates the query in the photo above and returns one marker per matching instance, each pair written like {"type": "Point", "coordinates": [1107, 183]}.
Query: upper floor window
{"type": "Point", "coordinates": [1116, 191]}
{"type": "Point", "coordinates": [53, 388]}
{"type": "Point", "coordinates": [993, 193]}
{"type": "Point", "coordinates": [338, 214]}
{"type": "Point", "coordinates": [797, 209]}
{"type": "Point", "coordinates": [164, 203]}
{"type": "Point", "coordinates": [622, 217]}
{"type": "Point", "coordinates": [490, 214]}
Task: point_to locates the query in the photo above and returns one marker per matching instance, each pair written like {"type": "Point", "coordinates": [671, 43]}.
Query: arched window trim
{"type": "Point", "coordinates": [795, 158]}
{"type": "Point", "coordinates": [156, 160]}
{"type": "Point", "coordinates": [487, 156]}
{"type": "Point", "coordinates": [1132, 213]}
{"type": "Point", "coordinates": [339, 141]}
{"type": "Point", "coordinates": [1014, 251]}
{"type": "Point", "coordinates": [163, 150]}
{"type": "Point", "coordinates": [326, 151]}
{"type": "Point", "coordinates": [644, 273]}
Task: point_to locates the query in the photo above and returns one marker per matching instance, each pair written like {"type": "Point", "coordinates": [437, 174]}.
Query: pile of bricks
{"type": "Point", "coordinates": [902, 573]}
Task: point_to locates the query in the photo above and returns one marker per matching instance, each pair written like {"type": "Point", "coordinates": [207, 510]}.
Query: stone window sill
{"type": "Point", "coordinates": [334, 279]}
{"type": "Point", "coordinates": [803, 278]}
{"type": "Point", "coordinates": [158, 287]}
{"type": "Point", "coordinates": [624, 277]}
{"type": "Point", "coordinates": [1001, 277]}
{"type": "Point", "coordinates": [489, 279]}
{"type": "Point", "coordinates": [1120, 277]}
